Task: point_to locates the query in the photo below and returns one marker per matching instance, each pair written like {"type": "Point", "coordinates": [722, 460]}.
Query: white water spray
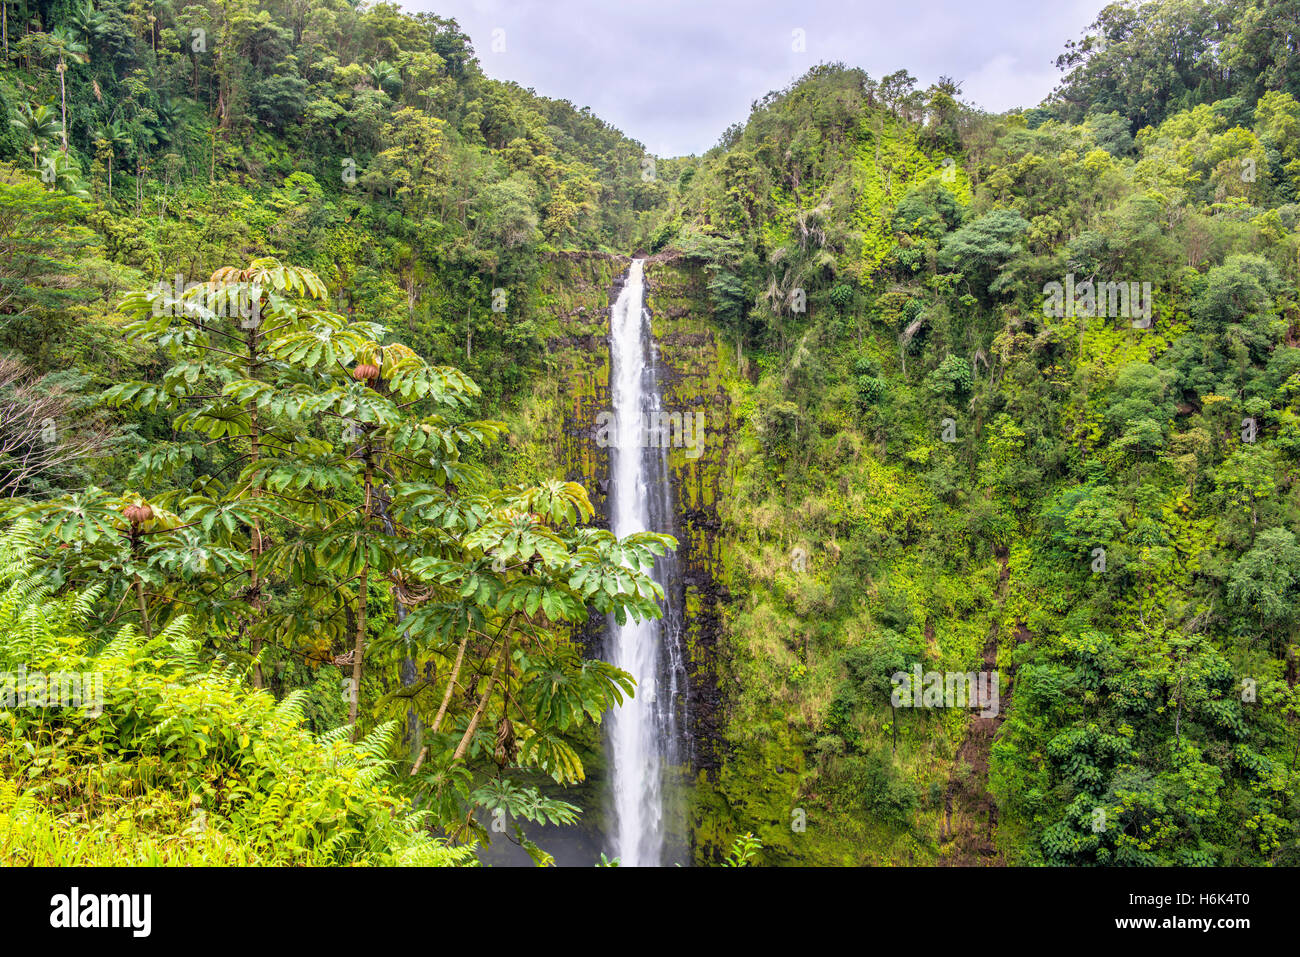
{"type": "Point", "coordinates": [643, 730]}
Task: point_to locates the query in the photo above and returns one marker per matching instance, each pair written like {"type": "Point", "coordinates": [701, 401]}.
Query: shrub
{"type": "Point", "coordinates": [184, 764]}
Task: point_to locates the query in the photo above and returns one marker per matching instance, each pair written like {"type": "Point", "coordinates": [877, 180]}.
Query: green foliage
{"type": "Point", "coordinates": [952, 377]}
{"type": "Point", "coordinates": [1146, 60]}
{"type": "Point", "coordinates": [42, 244]}
{"type": "Point", "coordinates": [1094, 508]}
{"type": "Point", "coordinates": [980, 249]}
{"type": "Point", "coordinates": [330, 472]}
{"type": "Point", "coordinates": [1101, 511]}
{"type": "Point", "coordinates": [743, 851]}
{"type": "Point", "coordinates": [173, 762]}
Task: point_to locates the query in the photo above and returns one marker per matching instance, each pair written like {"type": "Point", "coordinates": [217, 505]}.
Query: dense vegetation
{"type": "Point", "coordinates": [937, 467]}
{"type": "Point", "coordinates": [364, 144]}
{"type": "Point", "coordinates": [283, 481]}
{"type": "Point", "coordinates": [245, 455]}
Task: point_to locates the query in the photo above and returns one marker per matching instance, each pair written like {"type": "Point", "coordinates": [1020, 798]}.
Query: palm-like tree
{"type": "Point", "coordinates": [115, 136]}
{"type": "Point", "coordinates": [63, 43]}
{"type": "Point", "coordinates": [38, 122]}
{"type": "Point", "coordinates": [85, 20]}
{"type": "Point", "coordinates": [60, 172]}
{"type": "Point", "coordinates": [383, 74]}
{"type": "Point", "coordinates": [161, 121]}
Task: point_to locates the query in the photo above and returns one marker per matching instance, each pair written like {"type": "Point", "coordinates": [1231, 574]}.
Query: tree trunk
{"type": "Point", "coordinates": [144, 609]}
{"type": "Point", "coordinates": [482, 705]}
{"type": "Point", "coordinates": [451, 685]}
{"type": "Point", "coordinates": [359, 648]}
{"type": "Point", "coordinates": [256, 549]}
{"type": "Point", "coordinates": [134, 540]}
{"type": "Point", "coordinates": [63, 102]}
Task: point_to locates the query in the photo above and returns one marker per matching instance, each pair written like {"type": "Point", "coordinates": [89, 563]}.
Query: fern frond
{"type": "Point", "coordinates": [378, 742]}
{"type": "Point", "coordinates": [335, 735]}
{"type": "Point", "coordinates": [290, 710]}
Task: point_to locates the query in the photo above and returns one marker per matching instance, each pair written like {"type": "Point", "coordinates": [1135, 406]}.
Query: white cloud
{"type": "Point", "coordinates": [675, 74]}
{"type": "Point", "coordinates": [1004, 83]}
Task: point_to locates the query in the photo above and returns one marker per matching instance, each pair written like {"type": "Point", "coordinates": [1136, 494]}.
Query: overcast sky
{"type": "Point", "coordinates": [675, 74]}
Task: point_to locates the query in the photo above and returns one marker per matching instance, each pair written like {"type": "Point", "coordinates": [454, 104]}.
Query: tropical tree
{"type": "Point", "coordinates": [1263, 581]}
{"type": "Point", "coordinates": [384, 75]}
{"type": "Point", "coordinates": [42, 244]}
{"type": "Point", "coordinates": [111, 136]}
{"type": "Point", "coordinates": [18, 5]}
{"type": "Point", "coordinates": [85, 20]}
{"type": "Point", "coordinates": [64, 44]}
{"type": "Point", "coordinates": [333, 472]}
{"type": "Point", "coordinates": [60, 172]}
{"type": "Point", "coordinates": [39, 123]}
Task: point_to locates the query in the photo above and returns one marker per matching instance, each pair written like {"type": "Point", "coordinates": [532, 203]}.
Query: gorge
{"type": "Point", "coordinates": [500, 354]}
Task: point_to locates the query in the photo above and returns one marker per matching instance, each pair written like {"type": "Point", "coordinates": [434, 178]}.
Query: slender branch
{"type": "Point", "coordinates": [478, 712]}
{"type": "Point", "coordinates": [451, 684]}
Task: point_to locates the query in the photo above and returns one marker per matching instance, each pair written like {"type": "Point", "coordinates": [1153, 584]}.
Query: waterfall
{"type": "Point", "coordinates": [644, 743]}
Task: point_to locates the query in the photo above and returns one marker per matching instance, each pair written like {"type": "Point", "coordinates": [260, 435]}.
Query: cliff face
{"type": "Point", "coordinates": [693, 375]}
{"type": "Point", "coordinates": [581, 289]}
{"type": "Point", "coordinates": [695, 366]}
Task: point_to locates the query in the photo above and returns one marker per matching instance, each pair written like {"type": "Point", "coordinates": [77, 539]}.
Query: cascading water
{"type": "Point", "coordinates": [644, 740]}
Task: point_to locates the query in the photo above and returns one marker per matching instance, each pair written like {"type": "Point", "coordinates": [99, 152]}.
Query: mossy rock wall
{"type": "Point", "coordinates": [693, 376]}
{"type": "Point", "coordinates": [580, 290]}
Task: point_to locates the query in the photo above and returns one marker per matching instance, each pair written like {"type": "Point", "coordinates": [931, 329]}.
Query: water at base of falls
{"type": "Point", "coordinates": [644, 732]}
